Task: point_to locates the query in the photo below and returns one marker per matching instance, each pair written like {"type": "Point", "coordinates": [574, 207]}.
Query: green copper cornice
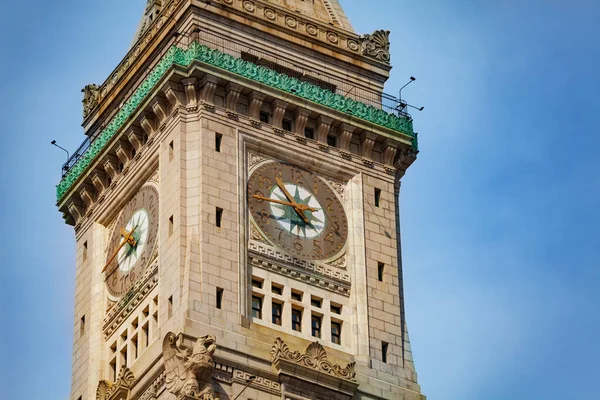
{"type": "Point", "coordinates": [197, 52]}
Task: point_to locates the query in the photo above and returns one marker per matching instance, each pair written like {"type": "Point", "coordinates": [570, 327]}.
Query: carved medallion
{"type": "Point", "coordinates": [332, 37]}
{"type": "Point", "coordinates": [249, 6]}
{"type": "Point", "coordinates": [270, 14]}
{"type": "Point", "coordinates": [312, 30]}
{"type": "Point", "coordinates": [291, 22]}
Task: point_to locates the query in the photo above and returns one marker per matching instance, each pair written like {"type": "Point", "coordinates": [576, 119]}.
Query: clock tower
{"type": "Point", "coordinates": [235, 206]}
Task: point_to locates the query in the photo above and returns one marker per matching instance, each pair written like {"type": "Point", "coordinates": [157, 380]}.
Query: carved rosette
{"type": "Point", "coordinates": [377, 45]}
{"type": "Point", "coordinates": [189, 369]}
{"type": "Point", "coordinates": [314, 357]}
{"type": "Point", "coordinates": [118, 390]}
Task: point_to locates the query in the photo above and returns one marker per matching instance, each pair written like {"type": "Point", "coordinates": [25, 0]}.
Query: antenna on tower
{"type": "Point", "coordinates": [403, 106]}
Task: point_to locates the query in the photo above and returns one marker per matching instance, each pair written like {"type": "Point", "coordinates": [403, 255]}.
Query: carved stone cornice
{"type": "Point", "coordinates": [314, 357]}
{"type": "Point", "coordinates": [304, 90]}
{"type": "Point", "coordinates": [118, 390]}
{"type": "Point", "coordinates": [322, 275]}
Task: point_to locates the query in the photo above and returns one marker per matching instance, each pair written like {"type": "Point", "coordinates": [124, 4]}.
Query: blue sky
{"type": "Point", "coordinates": [499, 213]}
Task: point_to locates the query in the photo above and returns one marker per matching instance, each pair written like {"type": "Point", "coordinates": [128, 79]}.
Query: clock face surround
{"type": "Point", "coordinates": [132, 241]}
{"type": "Point", "coordinates": [297, 211]}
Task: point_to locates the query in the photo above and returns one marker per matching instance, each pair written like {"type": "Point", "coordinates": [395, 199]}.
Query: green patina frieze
{"type": "Point", "coordinates": [198, 52]}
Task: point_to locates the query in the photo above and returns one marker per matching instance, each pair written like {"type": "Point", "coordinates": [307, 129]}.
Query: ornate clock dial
{"type": "Point", "coordinates": [132, 241]}
{"type": "Point", "coordinates": [297, 211]}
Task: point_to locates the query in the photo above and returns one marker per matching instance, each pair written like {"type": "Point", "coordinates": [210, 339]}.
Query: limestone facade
{"type": "Point", "coordinates": [191, 327]}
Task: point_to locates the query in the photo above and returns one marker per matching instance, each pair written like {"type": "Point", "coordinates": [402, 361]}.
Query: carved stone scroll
{"type": "Point", "coordinates": [118, 390]}
{"type": "Point", "coordinates": [314, 357]}
{"type": "Point", "coordinates": [377, 45]}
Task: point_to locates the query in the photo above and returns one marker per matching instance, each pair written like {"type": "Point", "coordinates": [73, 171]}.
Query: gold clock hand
{"type": "Point", "coordinates": [302, 207]}
{"type": "Point", "coordinates": [287, 194]}
{"type": "Point", "coordinates": [125, 241]}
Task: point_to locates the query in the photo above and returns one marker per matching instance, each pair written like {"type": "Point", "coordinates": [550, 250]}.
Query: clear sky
{"type": "Point", "coordinates": [500, 211]}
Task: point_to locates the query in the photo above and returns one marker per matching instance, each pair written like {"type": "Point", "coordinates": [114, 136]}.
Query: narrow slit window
{"type": "Point", "coordinates": [380, 271]}
{"type": "Point", "coordinates": [276, 289]}
{"type": "Point", "coordinates": [297, 319]}
{"type": "Point", "coordinates": [316, 302]}
{"type": "Point", "coordinates": [219, 298]}
{"type": "Point", "coordinates": [219, 217]}
{"type": "Point", "coordinates": [286, 125]}
{"type": "Point", "coordinates": [264, 117]}
{"type": "Point", "coordinates": [85, 251]}
{"type": "Point", "coordinates": [218, 140]}
{"type": "Point", "coordinates": [124, 357]}
{"type": "Point", "coordinates": [170, 226]}
{"type": "Point", "coordinates": [82, 326]}
{"type": "Point", "coordinates": [146, 335]}
{"type": "Point", "coordinates": [276, 313]}
{"type": "Point", "coordinates": [384, 351]}
{"type": "Point", "coordinates": [134, 347]}
{"type": "Point", "coordinates": [377, 197]}
{"type": "Point", "coordinates": [257, 307]}
{"type": "Point", "coordinates": [336, 332]}
{"type": "Point", "coordinates": [170, 309]}
{"type": "Point", "coordinates": [316, 326]}
{"type": "Point", "coordinates": [113, 369]}
{"type": "Point", "coordinates": [331, 140]}
{"type": "Point", "coordinates": [171, 151]}
{"type": "Point", "coordinates": [257, 283]}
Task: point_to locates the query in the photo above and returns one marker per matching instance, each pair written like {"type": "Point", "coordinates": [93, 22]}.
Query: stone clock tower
{"type": "Point", "coordinates": [235, 205]}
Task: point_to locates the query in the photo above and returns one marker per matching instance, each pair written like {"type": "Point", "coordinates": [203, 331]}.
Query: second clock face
{"type": "Point", "coordinates": [297, 210]}
{"type": "Point", "coordinates": [132, 241]}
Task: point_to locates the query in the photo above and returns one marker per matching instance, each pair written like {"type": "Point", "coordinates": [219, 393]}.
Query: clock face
{"type": "Point", "coordinates": [297, 211]}
{"type": "Point", "coordinates": [132, 241]}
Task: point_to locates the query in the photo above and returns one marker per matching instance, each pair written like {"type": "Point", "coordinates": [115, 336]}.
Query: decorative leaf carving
{"type": "Point", "coordinates": [314, 357]}
{"type": "Point", "coordinates": [124, 383]}
{"type": "Point", "coordinates": [377, 45]}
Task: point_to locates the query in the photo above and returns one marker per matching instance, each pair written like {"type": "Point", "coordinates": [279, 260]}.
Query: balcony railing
{"type": "Point", "coordinates": [372, 106]}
